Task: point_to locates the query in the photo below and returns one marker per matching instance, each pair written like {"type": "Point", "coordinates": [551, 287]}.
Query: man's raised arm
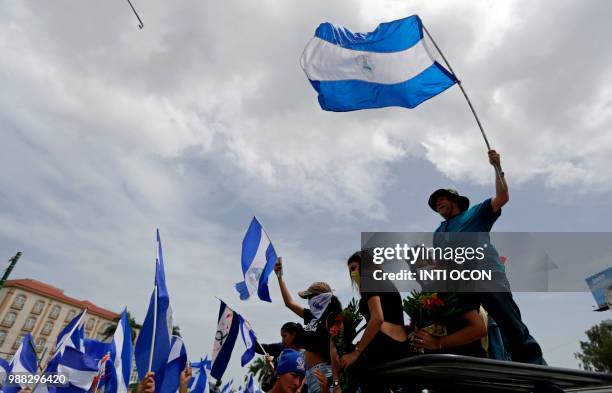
{"type": "Point", "coordinates": [501, 187]}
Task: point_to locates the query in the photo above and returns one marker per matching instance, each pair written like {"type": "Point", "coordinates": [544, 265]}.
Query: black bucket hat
{"type": "Point", "coordinates": [463, 202]}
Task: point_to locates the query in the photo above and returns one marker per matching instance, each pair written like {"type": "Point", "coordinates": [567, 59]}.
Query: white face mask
{"type": "Point", "coordinates": [318, 304]}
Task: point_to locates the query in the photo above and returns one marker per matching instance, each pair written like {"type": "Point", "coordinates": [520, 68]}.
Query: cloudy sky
{"type": "Point", "coordinates": [204, 118]}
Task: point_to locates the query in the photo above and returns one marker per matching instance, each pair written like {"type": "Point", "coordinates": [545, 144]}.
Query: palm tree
{"type": "Point", "coordinates": [134, 327]}
{"type": "Point", "coordinates": [110, 329]}
{"type": "Point", "coordinates": [258, 368]}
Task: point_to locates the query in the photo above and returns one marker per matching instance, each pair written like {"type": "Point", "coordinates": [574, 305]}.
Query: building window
{"type": "Point", "coordinates": [29, 324]}
{"type": "Point", "coordinates": [70, 315]}
{"type": "Point", "coordinates": [90, 324]}
{"type": "Point", "coordinates": [2, 337]}
{"type": "Point", "coordinates": [18, 302]}
{"type": "Point", "coordinates": [38, 307]}
{"type": "Point", "coordinates": [55, 311]}
{"type": "Point", "coordinates": [102, 332]}
{"type": "Point", "coordinates": [46, 330]}
{"type": "Point", "coordinates": [9, 319]}
{"type": "Point", "coordinates": [17, 342]}
{"type": "Point", "coordinates": [40, 344]}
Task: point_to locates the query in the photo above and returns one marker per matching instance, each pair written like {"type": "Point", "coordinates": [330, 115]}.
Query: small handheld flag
{"type": "Point", "coordinates": [225, 338]}
{"type": "Point", "coordinates": [249, 339]}
{"type": "Point", "coordinates": [201, 380]}
{"type": "Point", "coordinates": [121, 356]}
{"type": "Point", "coordinates": [23, 362]}
{"type": "Point", "coordinates": [258, 259]}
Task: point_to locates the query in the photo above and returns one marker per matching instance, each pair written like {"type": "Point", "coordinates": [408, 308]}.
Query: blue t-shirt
{"type": "Point", "coordinates": [478, 221]}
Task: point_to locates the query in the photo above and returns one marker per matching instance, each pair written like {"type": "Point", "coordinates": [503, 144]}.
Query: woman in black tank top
{"type": "Point", "coordinates": [384, 338]}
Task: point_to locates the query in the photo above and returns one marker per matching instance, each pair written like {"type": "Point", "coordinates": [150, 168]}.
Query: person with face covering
{"type": "Point", "coordinates": [385, 338]}
{"type": "Point", "coordinates": [315, 338]}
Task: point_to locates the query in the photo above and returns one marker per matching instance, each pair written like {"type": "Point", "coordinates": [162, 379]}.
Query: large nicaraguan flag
{"type": "Point", "coordinates": [390, 66]}
{"type": "Point", "coordinates": [258, 259]}
{"type": "Point", "coordinates": [121, 357]}
{"type": "Point", "coordinates": [156, 331]}
{"type": "Point", "coordinates": [228, 325]}
{"type": "Point", "coordinates": [23, 362]}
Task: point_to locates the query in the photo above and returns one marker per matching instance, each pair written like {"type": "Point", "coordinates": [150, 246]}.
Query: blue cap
{"type": "Point", "coordinates": [291, 361]}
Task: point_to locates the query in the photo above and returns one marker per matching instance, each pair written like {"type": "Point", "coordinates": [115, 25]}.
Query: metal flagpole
{"type": "Point", "coordinates": [140, 24]}
{"type": "Point", "coordinates": [154, 327]}
{"type": "Point", "coordinates": [497, 169]}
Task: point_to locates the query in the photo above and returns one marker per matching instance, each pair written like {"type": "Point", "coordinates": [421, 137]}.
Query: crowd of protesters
{"type": "Point", "coordinates": [489, 324]}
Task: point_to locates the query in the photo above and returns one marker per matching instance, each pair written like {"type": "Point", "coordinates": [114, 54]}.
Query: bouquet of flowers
{"type": "Point", "coordinates": [342, 328]}
{"type": "Point", "coordinates": [428, 310]}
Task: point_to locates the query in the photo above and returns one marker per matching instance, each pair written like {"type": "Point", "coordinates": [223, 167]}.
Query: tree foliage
{"type": "Point", "coordinates": [257, 368]}
{"type": "Point", "coordinates": [596, 353]}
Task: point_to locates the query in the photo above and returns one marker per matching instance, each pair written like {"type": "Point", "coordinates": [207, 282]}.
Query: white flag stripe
{"type": "Point", "coordinates": [324, 61]}
{"type": "Point", "coordinates": [253, 274]}
{"type": "Point", "coordinates": [175, 351]}
{"type": "Point", "coordinates": [79, 378]}
{"type": "Point", "coordinates": [118, 340]}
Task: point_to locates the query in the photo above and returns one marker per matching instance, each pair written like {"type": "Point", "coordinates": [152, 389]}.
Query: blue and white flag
{"type": "Point", "coordinates": [96, 349]}
{"type": "Point", "coordinates": [177, 360]}
{"type": "Point", "coordinates": [250, 388]}
{"type": "Point", "coordinates": [390, 66]}
{"type": "Point", "coordinates": [227, 387]}
{"type": "Point", "coordinates": [121, 357]}
{"type": "Point", "coordinates": [258, 259]}
{"type": "Point", "coordinates": [156, 331]}
{"type": "Point", "coordinates": [73, 335]}
{"type": "Point", "coordinates": [228, 325]}
{"type": "Point", "coordinates": [80, 370]}
{"type": "Point", "coordinates": [23, 362]}
{"type": "Point", "coordinates": [200, 383]}
{"type": "Point", "coordinates": [249, 339]}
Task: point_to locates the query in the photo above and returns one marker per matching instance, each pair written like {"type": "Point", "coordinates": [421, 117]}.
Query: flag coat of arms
{"type": "Point", "coordinates": [390, 66]}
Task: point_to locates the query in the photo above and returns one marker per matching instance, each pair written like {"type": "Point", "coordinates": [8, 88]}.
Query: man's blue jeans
{"type": "Point", "coordinates": [503, 309]}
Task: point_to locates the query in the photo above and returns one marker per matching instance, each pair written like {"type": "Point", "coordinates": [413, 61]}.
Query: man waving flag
{"type": "Point", "coordinates": [258, 259]}
{"type": "Point", "coordinates": [390, 66]}
{"type": "Point", "coordinates": [153, 343]}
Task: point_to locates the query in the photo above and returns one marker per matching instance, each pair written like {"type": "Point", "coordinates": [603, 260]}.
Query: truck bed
{"type": "Point", "coordinates": [454, 373]}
